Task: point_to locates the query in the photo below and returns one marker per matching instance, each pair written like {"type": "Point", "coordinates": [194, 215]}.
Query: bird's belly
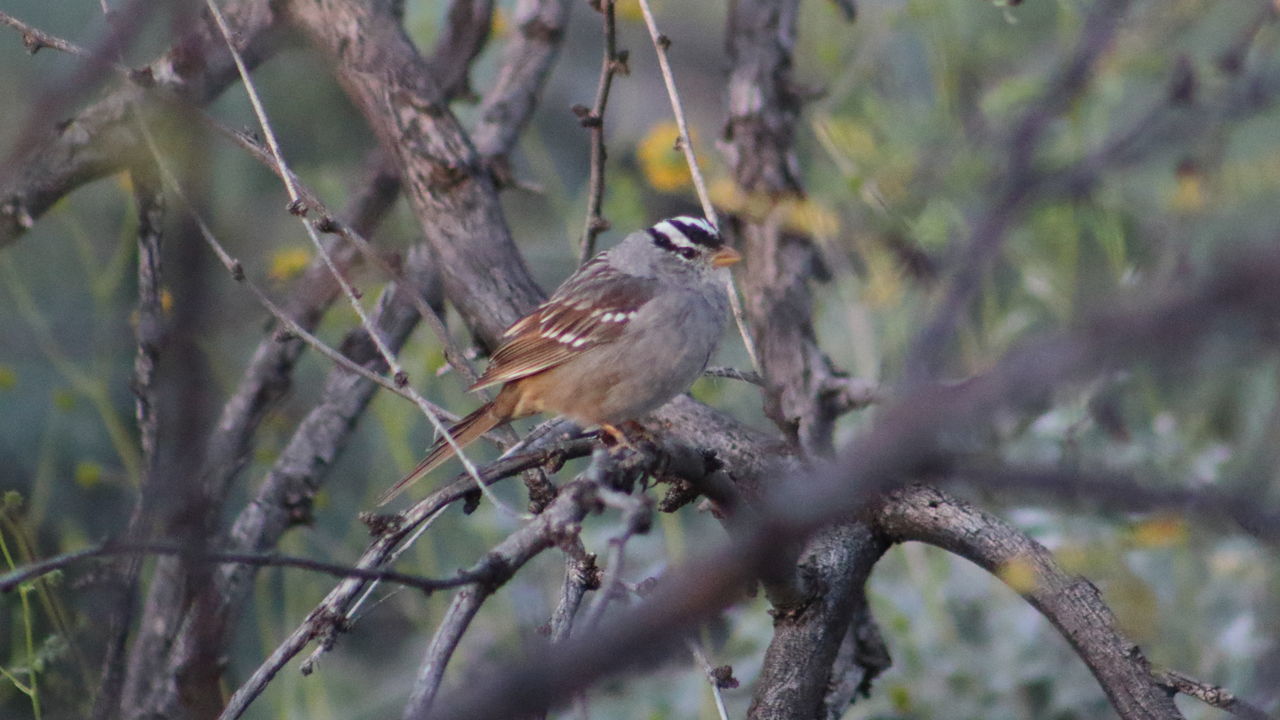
{"type": "Point", "coordinates": [619, 384]}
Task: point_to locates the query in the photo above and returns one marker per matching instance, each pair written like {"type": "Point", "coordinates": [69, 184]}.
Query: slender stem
{"type": "Point", "coordinates": [31, 688]}
{"type": "Point", "coordinates": [661, 43]}
{"type": "Point", "coordinates": [707, 669]}
{"type": "Point", "coordinates": [20, 575]}
{"type": "Point", "coordinates": [593, 119]}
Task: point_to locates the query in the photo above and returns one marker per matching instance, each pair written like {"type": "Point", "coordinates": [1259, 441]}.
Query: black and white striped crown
{"type": "Point", "coordinates": [686, 233]}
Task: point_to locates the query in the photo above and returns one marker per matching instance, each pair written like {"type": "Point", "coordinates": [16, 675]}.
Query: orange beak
{"type": "Point", "coordinates": [725, 256]}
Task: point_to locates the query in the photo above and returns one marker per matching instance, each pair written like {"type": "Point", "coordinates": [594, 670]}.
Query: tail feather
{"type": "Point", "coordinates": [463, 432]}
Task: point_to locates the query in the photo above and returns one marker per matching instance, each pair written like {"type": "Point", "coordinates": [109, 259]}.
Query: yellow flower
{"type": "Point", "coordinates": [629, 10]}
{"type": "Point", "coordinates": [500, 24]}
{"type": "Point", "coordinates": [884, 286]}
{"type": "Point", "coordinates": [8, 377]}
{"type": "Point", "coordinates": [166, 301]}
{"type": "Point", "coordinates": [1188, 195]}
{"type": "Point", "coordinates": [288, 263]}
{"type": "Point", "coordinates": [726, 195]}
{"type": "Point", "coordinates": [807, 216]}
{"type": "Point", "coordinates": [663, 165]}
{"type": "Point", "coordinates": [1159, 531]}
{"type": "Point", "coordinates": [88, 473]}
{"type": "Point", "coordinates": [802, 215]}
{"type": "Point", "coordinates": [64, 399]}
{"type": "Point", "coordinates": [124, 181]}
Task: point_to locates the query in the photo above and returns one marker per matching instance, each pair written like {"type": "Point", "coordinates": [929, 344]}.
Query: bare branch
{"type": "Point", "coordinates": [466, 31]}
{"type": "Point", "coordinates": [746, 376]}
{"type": "Point", "coordinates": [14, 578]}
{"type": "Point", "coordinates": [452, 196]}
{"type": "Point", "coordinates": [613, 62]}
{"type": "Point", "coordinates": [332, 612]}
{"type": "Point", "coordinates": [1243, 294]}
{"type": "Point", "coordinates": [1212, 695]}
{"type": "Point", "coordinates": [560, 521]}
{"type": "Point", "coordinates": [1072, 603]}
{"type": "Point", "coordinates": [103, 138]}
{"type": "Point", "coordinates": [401, 377]}
{"type": "Point", "coordinates": [718, 677]}
{"type": "Point", "coordinates": [637, 515]}
{"type": "Point", "coordinates": [526, 61]}
{"type": "Point", "coordinates": [35, 39]}
{"type": "Point", "coordinates": [149, 334]}
{"type": "Point", "coordinates": [580, 575]}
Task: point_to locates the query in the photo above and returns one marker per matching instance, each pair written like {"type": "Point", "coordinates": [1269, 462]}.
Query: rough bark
{"type": "Point", "coordinates": [453, 197]}
{"type": "Point", "coordinates": [103, 138]}
{"type": "Point", "coordinates": [1070, 602]}
{"type": "Point", "coordinates": [812, 610]}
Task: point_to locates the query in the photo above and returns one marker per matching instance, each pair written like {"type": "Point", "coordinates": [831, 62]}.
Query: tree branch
{"type": "Point", "coordinates": [103, 138]}
{"type": "Point", "coordinates": [613, 62]}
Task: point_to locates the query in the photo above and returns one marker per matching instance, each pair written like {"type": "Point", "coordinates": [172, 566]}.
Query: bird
{"type": "Point", "coordinates": [632, 328]}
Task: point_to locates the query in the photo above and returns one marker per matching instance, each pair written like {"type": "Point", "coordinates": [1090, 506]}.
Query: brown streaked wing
{"type": "Point", "coordinates": [559, 330]}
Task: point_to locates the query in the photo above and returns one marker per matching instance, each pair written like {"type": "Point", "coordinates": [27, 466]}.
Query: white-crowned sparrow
{"type": "Point", "coordinates": [631, 329]}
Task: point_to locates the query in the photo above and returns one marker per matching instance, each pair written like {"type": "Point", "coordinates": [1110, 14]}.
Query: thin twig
{"type": "Point", "coordinates": [1211, 695]}
{"type": "Point", "coordinates": [332, 612]}
{"type": "Point", "coordinates": [236, 269]}
{"type": "Point", "coordinates": [613, 62]}
{"type": "Point", "coordinates": [13, 579]}
{"type": "Point", "coordinates": [352, 296]}
{"type": "Point", "coordinates": [35, 39]}
{"type": "Point", "coordinates": [580, 575]}
{"type": "Point", "coordinates": [746, 376]}
{"type": "Point", "coordinates": [560, 520]}
{"type": "Point", "coordinates": [308, 665]}
{"type": "Point", "coordinates": [716, 677]}
{"type": "Point", "coordinates": [636, 516]}
{"type": "Point", "coordinates": [660, 44]}
{"type": "Point", "coordinates": [330, 222]}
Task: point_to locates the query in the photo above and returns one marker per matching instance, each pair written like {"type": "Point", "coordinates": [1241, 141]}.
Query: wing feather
{"type": "Point", "coordinates": [592, 308]}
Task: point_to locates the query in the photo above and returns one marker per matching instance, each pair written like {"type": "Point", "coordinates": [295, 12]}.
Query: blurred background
{"type": "Point", "coordinates": [906, 129]}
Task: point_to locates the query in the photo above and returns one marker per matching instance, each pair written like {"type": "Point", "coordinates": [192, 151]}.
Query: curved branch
{"type": "Point", "coordinates": [1071, 603]}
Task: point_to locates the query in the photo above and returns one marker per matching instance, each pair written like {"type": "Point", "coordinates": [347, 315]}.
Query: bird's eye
{"type": "Point", "coordinates": [688, 253]}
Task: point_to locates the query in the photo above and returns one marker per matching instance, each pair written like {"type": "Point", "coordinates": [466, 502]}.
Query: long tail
{"type": "Point", "coordinates": [464, 432]}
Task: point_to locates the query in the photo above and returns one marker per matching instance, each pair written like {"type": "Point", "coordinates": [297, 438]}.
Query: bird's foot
{"type": "Point", "coordinates": [630, 435]}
